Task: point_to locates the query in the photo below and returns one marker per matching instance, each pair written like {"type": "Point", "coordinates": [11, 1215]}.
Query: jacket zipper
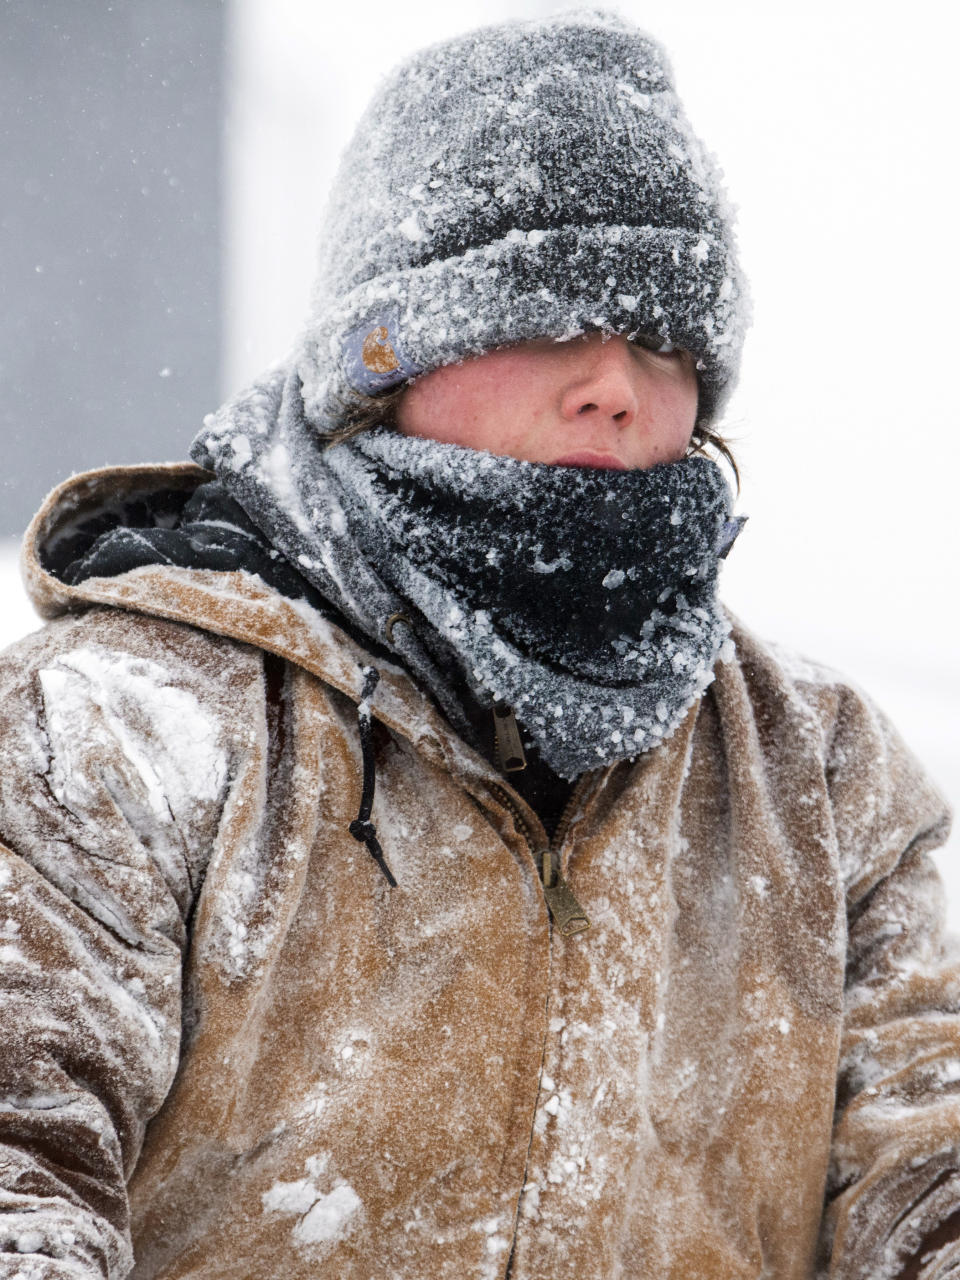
{"type": "Point", "coordinates": [562, 905]}
{"type": "Point", "coordinates": [565, 911]}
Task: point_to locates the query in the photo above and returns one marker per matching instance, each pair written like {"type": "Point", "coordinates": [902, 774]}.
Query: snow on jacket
{"type": "Point", "coordinates": [224, 1037]}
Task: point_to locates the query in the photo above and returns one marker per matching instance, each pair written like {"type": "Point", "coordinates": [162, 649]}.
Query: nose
{"type": "Point", "coordinates": [603, 387]}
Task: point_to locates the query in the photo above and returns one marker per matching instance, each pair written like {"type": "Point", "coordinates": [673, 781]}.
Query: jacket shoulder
{"type": "Point", "coordinates": [778, 672]}
{"type": "Point", "coordinates": [121, 732]}
{"type": "Point", "coordinates": [185, 650]}
{"type": "Point", "coordinates": [781, 682]}
{"type": "Point", "coordinates": [882, 800]}
{"type": "Point", "coordinates": [156, 690]}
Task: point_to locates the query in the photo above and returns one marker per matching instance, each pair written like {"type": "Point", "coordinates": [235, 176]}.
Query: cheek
{"type": "Point", "coordinates": [676, 403]}
{"type": "Point", "coordinates": [477, 404]}
{"type": "Point", "coordinates": [671, 417]}
{"type": "Point", "coordinates": [433, 407]}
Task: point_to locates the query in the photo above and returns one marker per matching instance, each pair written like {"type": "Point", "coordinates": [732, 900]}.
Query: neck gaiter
{"type": "Point", "coordinates": [584, 599]}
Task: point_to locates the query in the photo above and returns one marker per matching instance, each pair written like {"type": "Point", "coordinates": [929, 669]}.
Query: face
{"type": "Point", "coordinates": [596, 401]}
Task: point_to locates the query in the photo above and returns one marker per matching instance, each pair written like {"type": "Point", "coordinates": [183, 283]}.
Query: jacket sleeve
{"type": "Point", "coordinates": [114, 760]}
{"type": "Point", "coordinates": [894, 1179]}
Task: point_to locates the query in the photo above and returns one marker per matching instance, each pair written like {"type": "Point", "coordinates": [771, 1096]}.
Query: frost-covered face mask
{"type": "Point", "coordinates": [585, 600]}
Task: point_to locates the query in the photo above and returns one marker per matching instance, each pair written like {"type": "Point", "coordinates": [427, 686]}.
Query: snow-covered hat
{"type": "Point", "coordinates": [532, 179]}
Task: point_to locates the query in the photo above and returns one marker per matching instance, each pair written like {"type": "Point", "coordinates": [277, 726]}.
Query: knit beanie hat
{"type": "Point", "coordinates": [532, 179]}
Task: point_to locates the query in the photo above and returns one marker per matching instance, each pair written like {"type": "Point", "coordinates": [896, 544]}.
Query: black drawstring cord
{"type": "Point", "coordinates": [362, 829]}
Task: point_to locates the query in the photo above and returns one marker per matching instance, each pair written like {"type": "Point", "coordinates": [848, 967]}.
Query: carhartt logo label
{"type": "Point", "coordinates": [377, 353]}
{"type": "Point", "coordinates": [373, 356]}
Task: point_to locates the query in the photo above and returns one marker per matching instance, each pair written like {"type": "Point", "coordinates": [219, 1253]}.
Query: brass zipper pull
{"type": "Point", "coordinates": [510, 752]}
{"type": "Point", "coordinates": [568, 915]}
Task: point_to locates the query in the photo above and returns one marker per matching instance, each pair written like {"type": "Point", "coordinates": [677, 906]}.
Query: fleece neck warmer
{"type": "Point", "coordinates": [584, 599]}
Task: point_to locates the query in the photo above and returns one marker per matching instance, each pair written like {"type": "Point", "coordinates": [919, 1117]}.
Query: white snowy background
{"type": "Point", "coordinates": [836, 126]}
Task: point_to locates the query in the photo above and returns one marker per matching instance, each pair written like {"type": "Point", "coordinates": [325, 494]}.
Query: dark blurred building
{"type": "Point", "coordinates": [110, 255]}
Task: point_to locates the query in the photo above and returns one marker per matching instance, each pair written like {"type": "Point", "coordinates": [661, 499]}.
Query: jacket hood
{"type": "Point", "coordinates": [235, 604]}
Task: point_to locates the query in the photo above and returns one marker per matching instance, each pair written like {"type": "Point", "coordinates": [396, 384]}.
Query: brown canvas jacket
{"type": "Point", "coordinates": [225, 1038]}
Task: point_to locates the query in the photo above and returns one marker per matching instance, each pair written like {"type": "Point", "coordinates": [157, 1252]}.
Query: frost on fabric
{"type": "Point", "coordinates": [241, 933]}
{"type": "Point", "coordinates": [322, 1217]}
{"type": "Point", "coordinates": [54, 1239]}
{"type": "Point", "coordinates": [94, 697]}
{"type": "Point", "coordinates": [118, 747]}
{"type": "Point", "coordinates": [242, 453]}
{"type": "Point", "coordinates": [276, 467]}
{"type": "Point", "coordinates": [804, 670]}
{"type": "Point", "coordinates": [264, 841]}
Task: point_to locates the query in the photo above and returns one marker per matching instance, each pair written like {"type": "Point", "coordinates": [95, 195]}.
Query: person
{"type": "Point", "coordinates": [409, 868]}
